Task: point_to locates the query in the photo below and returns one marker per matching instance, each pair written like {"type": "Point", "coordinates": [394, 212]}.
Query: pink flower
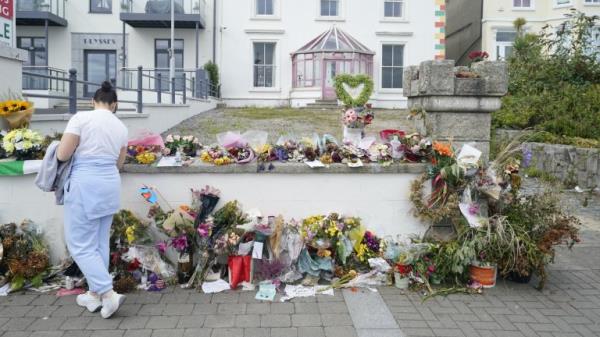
{"type": "Point", "coordinates": [431, 269]}
{"type": "Point", "coordinates": [204, 230]}
{"type": "Point", "coordinates": [162, 247]}
{"type": "Point", "coordinates": [474, 209]}
{"type": "Point", "coordinates": [180, 243]}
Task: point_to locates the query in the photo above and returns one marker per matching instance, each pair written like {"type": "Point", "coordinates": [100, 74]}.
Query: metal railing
{"type": "Point", "coordinates": [163, 6]}
{"type": "Point", "coordinates": [199, 88]}
{"type": "Point", "coordinates": [56, 7]}
{"type": "Point", "coordinates": [187, 81]}
{"type": "Point", "coordinates": [55, 81]}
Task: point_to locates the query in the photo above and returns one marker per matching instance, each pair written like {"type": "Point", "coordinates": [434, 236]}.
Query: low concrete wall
{"type": "Point", "coordinates": [569, 164]}
{"type": "Point", "coordinates": [157, 118]}
{"type": "Point", "coordinates": [380, 196]}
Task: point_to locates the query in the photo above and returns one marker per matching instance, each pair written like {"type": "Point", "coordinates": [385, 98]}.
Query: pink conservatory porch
{"type": "Point", "coordinates": [315, 65]}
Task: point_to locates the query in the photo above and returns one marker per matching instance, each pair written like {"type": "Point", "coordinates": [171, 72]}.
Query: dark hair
{"type": "Point", "coordinates": [106, 94]}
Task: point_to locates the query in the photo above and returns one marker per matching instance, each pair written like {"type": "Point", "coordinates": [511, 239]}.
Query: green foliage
{"type": "Point", "coordinates": [213, 75]}
{"type": "Point", "coordinates": [353, 81]}
{"type": "Point", "coordinates": [554, 81]}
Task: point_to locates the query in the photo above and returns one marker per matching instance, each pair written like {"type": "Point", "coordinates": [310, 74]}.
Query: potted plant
{"type": "Point", "coordinates": [402, 272]}
{"type": "Point", "coordinates": [483, 271]}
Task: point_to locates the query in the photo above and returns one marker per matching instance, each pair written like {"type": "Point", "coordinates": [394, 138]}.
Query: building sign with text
{"type": "Point", "coordinates": [7, 23]}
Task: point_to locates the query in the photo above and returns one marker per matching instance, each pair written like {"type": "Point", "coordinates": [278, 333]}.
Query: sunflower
{"type": "Point", "coordinates": [24, 105]}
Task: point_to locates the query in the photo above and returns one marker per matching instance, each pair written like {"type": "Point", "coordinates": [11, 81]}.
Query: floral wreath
{"type": "Point", "coordinates": [353, 81]}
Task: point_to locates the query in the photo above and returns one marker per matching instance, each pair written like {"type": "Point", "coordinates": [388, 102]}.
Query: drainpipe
{"type": "Point", "coordinates": [197, 43]}
{"type": "Point", "coordinates": [46, 37]}
{"type": "Point", "coordinates": [214, 51]}
{"type": "Point", "coordinates": [124, 60]}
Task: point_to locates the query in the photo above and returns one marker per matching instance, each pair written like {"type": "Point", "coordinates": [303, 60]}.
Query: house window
{"type": "Point", "coordinates": [504, 44]}
{"type": "Point", "coordinates": [393, 8]}
{"type": "Point", "coordinates": [330, 7]}
{"type": "Point", "coordinates": [162, 63]}
{"type": "Point", "coordinates": [589, 2]}
{"type": "Point", "coordinates": [264, 64]}
{"type": "Point", "coordinates": [36, 62]}
{"type": "Point", "coordinates": [264, 7]}
{"type": "Point", "coordinates": [392, 66]}
{"type": "Point", "coordinates": [100, 6]}
{"type": "Point", "coordinates": [522, 3]}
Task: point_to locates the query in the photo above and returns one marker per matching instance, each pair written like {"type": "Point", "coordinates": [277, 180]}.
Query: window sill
{"type": "Point", "coordinates": [330, 18]}
{"type": "Point", "coordinates": [390, 91]}
{"type": "Point", "coordinates": [523, 9]}
{"type": "Point", "coordinates": [394, 20]}
{"type": "Point", "coordinates": [90, 12]}
{"type": "Point", "coordinates": [265, 18]}
{"type": "Point", "coordinates": [260, 89]}
{"type": "Point", "coordinates": [591, 4]}
{"type": "Point", "coordinates": [562, 6]}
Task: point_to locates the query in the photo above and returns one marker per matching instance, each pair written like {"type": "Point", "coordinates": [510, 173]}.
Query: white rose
{"type": "Point", "coordinates": [177, 138]}
{"type": "Point", "coordinates": [169, 139]}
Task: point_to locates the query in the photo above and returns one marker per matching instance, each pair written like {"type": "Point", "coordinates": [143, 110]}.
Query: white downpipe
{"type": "Point", "coordinates": [172, 48]}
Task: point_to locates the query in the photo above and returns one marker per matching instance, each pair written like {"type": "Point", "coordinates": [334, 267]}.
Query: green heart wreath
{"type": "Point", "coordinates": [353, 81]}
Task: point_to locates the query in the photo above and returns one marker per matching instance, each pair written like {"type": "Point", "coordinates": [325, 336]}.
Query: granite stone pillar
{"type": "Point", "coordinates": [456, 109]}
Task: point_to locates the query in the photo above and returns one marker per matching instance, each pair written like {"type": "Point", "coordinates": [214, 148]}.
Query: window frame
{"type": "Point", "coordinates": [591, 3]}
{"type": "Point", "coordinates": [275, 83]}
{"type": "Point", "coordinates": [156, 40]}
{"type": "Point", "coordinates": [105, 11]}
{"type": "Point", "coordinates": [402, 17]}
{"type": "Point", "coordinates": [340, 11]}
{"type": "Point", "coordinates": [501, 43]}
{"type": "Point", "coordinates": [522, 8]}
{"type": "Point", "coordinates": [255, 16]}
{"type": "Point", "coordinates": [381, 66]}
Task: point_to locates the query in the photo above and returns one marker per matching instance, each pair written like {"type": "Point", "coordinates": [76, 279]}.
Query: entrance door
{"type": "Point", "coordinates": [330, 69]}
{"type": "Point", "coordinates": [99, 66]}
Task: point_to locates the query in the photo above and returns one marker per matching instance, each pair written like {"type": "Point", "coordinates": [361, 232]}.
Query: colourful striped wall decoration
{"type": "Point", "coordinates": [440, 29]}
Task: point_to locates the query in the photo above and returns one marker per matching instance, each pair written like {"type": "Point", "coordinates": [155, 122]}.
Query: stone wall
{"type": "Point", "coordinates": [456, 109]}
{"type": "Point", "coordinates": [571, 165]}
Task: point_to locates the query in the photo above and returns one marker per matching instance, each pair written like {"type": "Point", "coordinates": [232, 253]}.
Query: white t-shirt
{"type": "Point", "coordinates": [100, 133]}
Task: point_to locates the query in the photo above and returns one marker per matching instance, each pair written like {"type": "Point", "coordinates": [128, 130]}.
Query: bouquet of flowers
{"type": "Point", "coordinates": [24, 144]}
{"type": "Point", "coordinates": [142, 154]}
{"type": "Point", "coordinates": [216, 155]}
{"type": "Point", "coordinates": [243, 154]}
{"type": "Point", "coordinates": [127, 229]}
{"type": "Point", "coordinates": [381, 153]}
{"type": "Point", "coordinates": [188, 145]}
{"type": "Point", "coordinates": [17, 112]}
{"type": "Point", "coordinates": [204, 202]}
{"type": "Point", "coordinates": [416, 148]}
{"type": "Point", "coordinates": [358, 117]}
{"type": "Point", "coordinates": [25, 255]}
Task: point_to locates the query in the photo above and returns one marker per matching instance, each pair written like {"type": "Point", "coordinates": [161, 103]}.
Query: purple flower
{"type": "Point", "coordinates": [180, 243]}
{"type": "Point", "coordinates": [474, 209]}
{"type": "Point", "coordinates": [162, 247]}
{"type": "Point", "coordinates": [527, 155]}
{"type": "Point", "coordinates": [204, 230]}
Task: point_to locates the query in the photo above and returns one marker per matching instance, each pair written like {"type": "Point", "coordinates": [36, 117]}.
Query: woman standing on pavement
{"type": "Point", "coordinates": [96, 141]}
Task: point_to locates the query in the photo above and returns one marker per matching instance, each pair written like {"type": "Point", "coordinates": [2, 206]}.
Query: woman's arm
{"type": "Point", "coordinates": [67, 146]}
{"type": "Point", "coordinates": [121, 159]}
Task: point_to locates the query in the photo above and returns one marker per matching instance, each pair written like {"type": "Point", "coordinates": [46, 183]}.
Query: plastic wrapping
{"type": "Point", "coordinates": [150, 260]}
{"type": "Point", "coordinates": [255, 138]}
{"type": "Point", "coordinates": [146, 138]}
{"type": "Point", "coordinates": [231, 139]}
{"type": "Point", "coordinates": [308, 265]}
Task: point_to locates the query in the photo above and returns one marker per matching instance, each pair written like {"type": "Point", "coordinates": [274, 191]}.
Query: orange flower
{"type": "Point", "coordinates": [443, 149]}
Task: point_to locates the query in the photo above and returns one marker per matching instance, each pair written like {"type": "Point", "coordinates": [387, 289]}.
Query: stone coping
{"type": "Point", "coordinates": [279, 168]}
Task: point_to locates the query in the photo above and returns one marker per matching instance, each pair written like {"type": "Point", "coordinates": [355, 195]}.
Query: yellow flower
{"type": "Point", "coordinates": [8, 147]}
{"type": "Point", "coordinates": [361, 252]}
{"type": "Point", "coordinates": [206, 157]}
{"type": "Point", "coordinates": [27, 145]}
{"type": "Point", "coordinates": [130, 232]}
{"type": "Point", "coordinates": [146, 158]}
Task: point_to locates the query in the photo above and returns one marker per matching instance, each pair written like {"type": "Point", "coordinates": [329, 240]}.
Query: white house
{"type": "Point", "coordinates": [286, 52]}
{"type": "Point", "coordinates": [270, 52]}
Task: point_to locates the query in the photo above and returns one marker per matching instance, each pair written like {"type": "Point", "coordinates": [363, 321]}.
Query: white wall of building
{"type": "Point", "coordinates": [385, 210]}
{"type": "Point", "coordinates": [295, 23]}
{"type": "Point", "coordinates": [499, 15]}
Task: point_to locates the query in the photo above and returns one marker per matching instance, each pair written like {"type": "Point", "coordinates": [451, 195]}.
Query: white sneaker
{"type": "Point", "coordinates": [111, 303]}
{"type": "Point", "coordinates": [90, 301]}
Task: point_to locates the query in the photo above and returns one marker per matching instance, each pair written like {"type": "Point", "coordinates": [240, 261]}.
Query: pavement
{"type": "Point", "coordinates": [568, 306]}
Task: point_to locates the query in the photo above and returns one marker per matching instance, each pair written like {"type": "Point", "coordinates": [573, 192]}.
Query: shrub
{"type": "Point", "coordinates": [554, 81]}
{"type": "Point", "coordinates": [213, 75]}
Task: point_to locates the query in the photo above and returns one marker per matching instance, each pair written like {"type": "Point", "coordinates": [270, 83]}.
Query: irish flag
{"type": "Point", "coordinates": [19, 168]}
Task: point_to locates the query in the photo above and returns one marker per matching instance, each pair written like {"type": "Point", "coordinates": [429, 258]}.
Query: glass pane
{"type": "Point", "coordinates": [101, 5]}
{"type": "Point", "coordinates": [162, 60]}
{"type": "Point", "coordinates": [95, 70]}
{"type": "Point", "coordinates": [387, 55]}
{"type": "Point", "coordinates": [333, 7]}
{"type": "Point", "coordinates": [269, 76]}
{"type": "Point", "coordinates": [397, 78]}
{"type": "Point", "coordinates": [39, 43]}
{"type": "Point", "coordinates": [508, 50]}
{"type": "Point", "coordinates": [269, 7]}
{"type": "Point", "coordinates": [179, 61]}
{"type": "Point", "coordinates": [506, 36]}
{"type": "Point", "coordinates": [259, 53]}
{"type": "Point", "coordinates": [398, 55]}
{"type": "Point", "coordinates": [162, 44]}
{"type": "Point", "coordinates": [269, 53]}
{"type": "Point", "coordinates": [112, 67]}
{"type": "Point", "coordinates": [39, 59]}
{"type": "Point", "coordinates": [257, 76]}
{"type": "Point", "coordinates": [178, 44]}
{"type": "Point", "coordinates": [389, 9]}
{"type": "Point", "coordinates": [309, 71]}
{"type": "Point", "coordinates": [526, 3]}
{"type": "Point", "coordinates": [398, 9]}
{"type": "Point", "coordinates": [24, 42]}
{"type": "Point", "coordinates": [386, 77]}
{"type": "Point", "coordinates": [324, 7]}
